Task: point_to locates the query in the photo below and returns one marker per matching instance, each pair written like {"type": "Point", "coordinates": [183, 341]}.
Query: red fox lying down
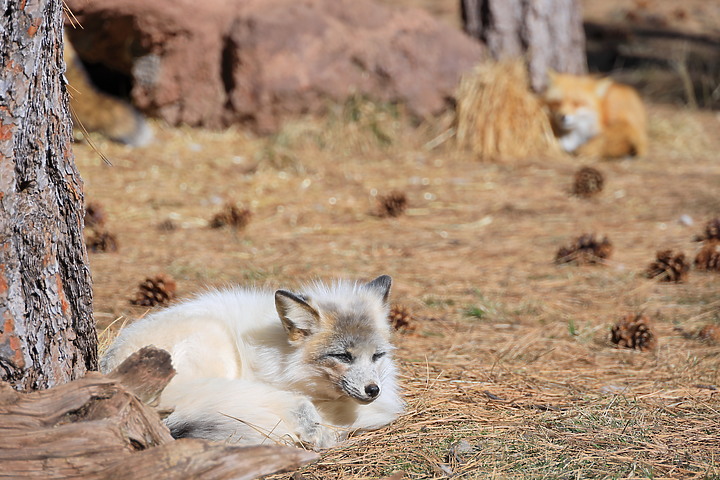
{"type": "Point", "coordinates": [596, 116]}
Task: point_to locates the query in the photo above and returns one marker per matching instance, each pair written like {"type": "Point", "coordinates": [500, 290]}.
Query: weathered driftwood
{"type": "Point", "coordinates": [98, 427]}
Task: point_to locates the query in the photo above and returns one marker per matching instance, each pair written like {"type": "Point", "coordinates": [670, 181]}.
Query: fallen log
{"type": "Point", "coordinates": [99, 427]}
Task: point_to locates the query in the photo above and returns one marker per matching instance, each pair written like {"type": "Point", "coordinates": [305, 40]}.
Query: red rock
{"type": "Point", "coordinates": [256, 62]}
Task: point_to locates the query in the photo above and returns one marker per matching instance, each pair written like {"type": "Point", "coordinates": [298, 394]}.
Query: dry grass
{"type": "Point", "coordinates": [510, 352]}
{"type": "Point", "coordinates": [498, 117]}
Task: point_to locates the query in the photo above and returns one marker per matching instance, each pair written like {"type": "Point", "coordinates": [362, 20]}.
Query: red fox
{"type": "Point", "coordinates": [253, 366]}
{"type": "Point", "coordinates": [596, 116]}
{"type": "Point", "coordinates": [99, 112]}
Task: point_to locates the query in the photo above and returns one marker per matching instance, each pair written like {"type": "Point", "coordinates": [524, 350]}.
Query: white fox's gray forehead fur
{"type": "Point", "coordinates": [356, 307]}
{"type": "Point", "coordinates": [344, 291]}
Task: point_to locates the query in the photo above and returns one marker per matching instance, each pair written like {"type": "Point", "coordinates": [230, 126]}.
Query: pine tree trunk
{"type": "Point", "coordinates": [548, 33]}
{"type": "Point", "coordinates": [47, 333]}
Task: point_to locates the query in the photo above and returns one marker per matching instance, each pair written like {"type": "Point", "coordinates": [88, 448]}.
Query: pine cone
{"type": "Point", "coordinates": [708, 258]}
{"type": "Point", "coordinates": [233, 216]}
{"type": "Point", "coordinates": [99, 240]}
{"type": "Point", "coordinates": [94, 215]}
{"type": "Point", "coordinates": [634, 331]}
{"type": "Point", "coordinates": [167, 225]}
{"type": "Point", "coordinates": [401, 318]}
{"type": "Point", "coordinates": [393, 204]}
{"type": "Point", "coordinates": [585, 250]}
{"type": "Point", "coordinates": [712, 231]}
{"type": "Point", "coordinates": [710, 333]}
{"type": "Point", "coordinates": [588, 182]}
{"type": "Point", "coordinates": [157, 290]}
{"type": "Point", "coordinates": [669, 266]}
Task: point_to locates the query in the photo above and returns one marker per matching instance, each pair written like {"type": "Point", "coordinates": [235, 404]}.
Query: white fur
{"type": "Point", "coordinates": [578, 128]}
{"type": "Point", "coordinates": [241, 378]}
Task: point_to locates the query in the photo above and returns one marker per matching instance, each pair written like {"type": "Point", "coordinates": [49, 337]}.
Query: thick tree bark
{"type": "Point", "coordinates": [548, 33]}
{"type": "Point", "coordinates": [47, 333]}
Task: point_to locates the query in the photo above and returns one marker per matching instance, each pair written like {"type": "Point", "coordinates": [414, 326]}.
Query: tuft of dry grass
{"type": "Point", "coordinates": [107, 335]}
{"type": "Point", "coordinates": [498, 116]}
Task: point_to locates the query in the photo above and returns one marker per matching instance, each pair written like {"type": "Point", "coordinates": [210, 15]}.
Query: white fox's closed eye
{"type": "Point", "coordinates": [345, 357]}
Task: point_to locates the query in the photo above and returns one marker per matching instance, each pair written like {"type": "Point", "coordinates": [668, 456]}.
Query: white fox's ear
{"type": "Point", "coordinates": [297, 316]}
{"type": "Point", "coordinates": [381, 285]}
{"type": "Point", "coordinates": [602, 86]}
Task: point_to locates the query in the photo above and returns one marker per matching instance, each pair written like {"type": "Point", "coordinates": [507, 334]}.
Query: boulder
{"type": "Point", "coordinates": [256, 62]}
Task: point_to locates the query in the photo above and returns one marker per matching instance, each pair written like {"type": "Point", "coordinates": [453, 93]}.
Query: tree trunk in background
{"type": "Point", "coordinates": [47, 333]}
{"type": "Point", "coordinates": [548, 33]}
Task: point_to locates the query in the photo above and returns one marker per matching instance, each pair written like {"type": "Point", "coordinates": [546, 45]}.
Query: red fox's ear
{"type": "Point", "coordinates": [602, 86]}
{"type": "Point", "coordinates": [297, 316]}
{"type": "Point", "coordinates": [381, 285]}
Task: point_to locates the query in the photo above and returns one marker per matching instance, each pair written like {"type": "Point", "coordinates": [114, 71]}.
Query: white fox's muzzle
{"type": "Point", "coordinates": [367, 395]}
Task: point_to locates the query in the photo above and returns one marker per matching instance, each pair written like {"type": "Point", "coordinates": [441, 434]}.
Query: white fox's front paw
{"type": "Point", "coordinates": [310, 428]}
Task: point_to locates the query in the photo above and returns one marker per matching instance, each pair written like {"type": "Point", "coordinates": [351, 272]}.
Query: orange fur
{"type": "Point", "coordinates": [99, 112]}
{"type": "Point", "coordinates": [596, 116]}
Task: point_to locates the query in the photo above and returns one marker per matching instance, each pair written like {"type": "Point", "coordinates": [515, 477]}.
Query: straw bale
{"type": "Point", "coordinates": [498, 117]}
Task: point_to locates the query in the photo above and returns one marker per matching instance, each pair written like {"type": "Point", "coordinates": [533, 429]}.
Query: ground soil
{"type": "Point", "coordinates": [508, 367]}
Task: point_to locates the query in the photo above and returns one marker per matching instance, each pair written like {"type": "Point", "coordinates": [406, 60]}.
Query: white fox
{"type": "Point", "coordinates": [255, 367]}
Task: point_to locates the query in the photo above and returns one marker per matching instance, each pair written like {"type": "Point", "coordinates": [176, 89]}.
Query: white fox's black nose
{"type": "Point", "coordinates": [372, 390]}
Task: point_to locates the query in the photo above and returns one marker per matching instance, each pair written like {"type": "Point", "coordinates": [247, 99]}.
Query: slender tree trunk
{"type": "Point", "coordinates": [47, 333]}
{"type": "Point", "coordinates": [548, 33]}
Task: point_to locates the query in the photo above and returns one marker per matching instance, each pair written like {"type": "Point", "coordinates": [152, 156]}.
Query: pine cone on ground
{"type": "Point", "coordinates": [157, 290]}
{"type": "Point", "coordinates": [167, 225]}
{"type": "Point", "coordinates": [712, 231]}
{"type": "Point", "coordinates": [588, 182]}
{"type": "Point", "coordinates": [94, 215]}
{"type": "Point", "coordinates": [99, 240]}
{"type": "Point", "coordinates": [401, 318]}
{"type": "Point", "coordinates": [710, 333]}
{"type": "Point", "coordinates": [586, 249]}
{"type": "Point", "coordinates": [233, 216]}
{"type": "Point", "coordinates": [634, 331]}
{"type": "Point", "coordinates": [393, 204]}
{"type": "Point", "coordinates": [669, 266]}
{"type": "Point", "coordinates": [708, 258]}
